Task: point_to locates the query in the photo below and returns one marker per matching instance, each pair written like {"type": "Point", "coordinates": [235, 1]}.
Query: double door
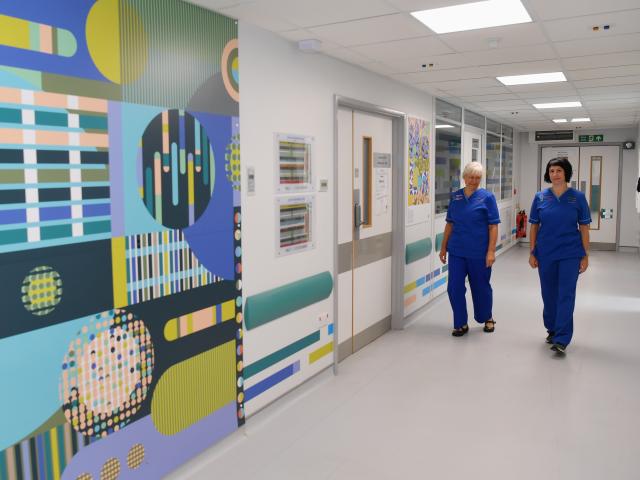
{"type": "Point", "coordinates": [364, 228]}
{"type": "Point", "coordinates": [595, 173]}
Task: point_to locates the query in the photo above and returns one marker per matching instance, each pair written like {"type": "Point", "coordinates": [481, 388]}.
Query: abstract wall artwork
{"type": "Point", "coordinates": [121, 341]}
{"type": "Point", "coordinates": [419, 174]}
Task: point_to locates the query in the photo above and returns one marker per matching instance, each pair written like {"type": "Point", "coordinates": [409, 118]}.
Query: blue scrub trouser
{"type": "Point", "coordinates": [558, 279]}
{"type": "Point", "coordinates": [481, 292]}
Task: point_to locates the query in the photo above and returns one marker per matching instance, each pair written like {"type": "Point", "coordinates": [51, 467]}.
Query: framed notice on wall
{"type": "Point", "coordinates": [294, 229]}
{"type": "Point", "coordinates": [293, 163]}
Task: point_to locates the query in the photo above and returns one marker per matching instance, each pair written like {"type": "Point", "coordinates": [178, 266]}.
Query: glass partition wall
{"type": "Point", "coordinates": [448, 153]}
{"type": "Point", "coordinates": [499, 153]}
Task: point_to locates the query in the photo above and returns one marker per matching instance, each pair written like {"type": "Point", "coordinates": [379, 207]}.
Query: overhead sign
{"type": "Point", "coordinates": [591, 138]}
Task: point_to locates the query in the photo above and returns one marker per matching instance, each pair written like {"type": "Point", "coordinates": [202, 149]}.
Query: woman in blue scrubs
{"type": "Point", "coordinates": [470, 238]}
{"type": "Point", "coordinates": [560, 219]}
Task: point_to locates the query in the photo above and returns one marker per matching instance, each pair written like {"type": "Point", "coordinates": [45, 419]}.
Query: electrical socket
{"type": "Point", "coordinates": [323, 319]}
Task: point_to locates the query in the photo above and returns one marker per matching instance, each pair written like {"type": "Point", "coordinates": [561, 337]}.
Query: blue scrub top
{"type": "Point", "coordinates": [471, 218]}
{"type": "Point", "coordinates": [559, 217]}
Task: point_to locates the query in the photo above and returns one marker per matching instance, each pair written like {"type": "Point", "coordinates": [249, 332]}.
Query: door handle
{"type": "Point", "coordinates": [357, 215]}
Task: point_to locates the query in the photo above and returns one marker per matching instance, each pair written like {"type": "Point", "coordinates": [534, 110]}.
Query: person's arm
{"type": "Point", "coordinates": [584, 233]}
{"type": "Point", "coordinates": [533, 233]}
{"type": "Point", "coordinates": [491, 250]}
{"type": "Point", "coordinates": [493, 217]}
{"type": "Point", "coordinates": [443, 248]}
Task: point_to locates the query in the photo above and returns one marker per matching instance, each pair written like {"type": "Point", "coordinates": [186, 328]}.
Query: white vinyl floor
{"type": "Point", "coordinates": [421, 404]}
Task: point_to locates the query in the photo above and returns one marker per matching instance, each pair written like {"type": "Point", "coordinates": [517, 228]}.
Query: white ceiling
{"type": "Point", "coordinates": [602, 68]}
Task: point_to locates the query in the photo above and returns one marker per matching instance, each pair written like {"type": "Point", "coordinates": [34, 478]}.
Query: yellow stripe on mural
{"type": "Point", "coordinates": [119, 265]}
{"type": "Point", "coordinates": [320, 352]}
{"type": "Point", "coordinates": [55, 459]}
{"type": "Point", "coordinates": [228, 310]}
{"type": "Point", "coordinates": [409, 287]}
{"type": "Point", "coordinates": [14, 32]}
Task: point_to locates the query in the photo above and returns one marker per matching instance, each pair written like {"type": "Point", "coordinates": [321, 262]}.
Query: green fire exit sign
{"type": "Point", "coordinates": [591, 138]}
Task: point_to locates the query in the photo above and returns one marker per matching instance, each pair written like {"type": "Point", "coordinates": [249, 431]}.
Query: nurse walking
{"type": "Point", "coordinates": [470, 238]}
{"type": "Point", "coordinates": [560, 219]}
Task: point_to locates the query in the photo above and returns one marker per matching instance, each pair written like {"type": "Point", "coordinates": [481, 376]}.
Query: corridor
{"type": "Point", "coordinates": [498, 406]}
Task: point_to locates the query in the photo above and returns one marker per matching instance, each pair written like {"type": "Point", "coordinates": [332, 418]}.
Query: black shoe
{"type": "Point", "coordinates": [549, 338]}
{"type": "Point", "coordinates": [487, 328]}
{"type": "Point", "coordinates": [559, 348]}
{"type": "Point", "coordinates": [458, 332]}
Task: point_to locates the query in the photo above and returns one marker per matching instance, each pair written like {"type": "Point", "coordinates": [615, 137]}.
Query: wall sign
{"type": "Point", "coordinates": [591, 138]}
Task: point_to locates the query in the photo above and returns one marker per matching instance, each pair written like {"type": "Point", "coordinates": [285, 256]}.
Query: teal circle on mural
{"type": "Point", "coordinates": [41, 290]}
{"type": "Point", "coordinates": [176, 169]}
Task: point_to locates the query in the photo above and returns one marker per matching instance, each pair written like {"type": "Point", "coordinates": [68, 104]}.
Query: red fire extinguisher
{"type": "Point", "coordinates": [521, 222]}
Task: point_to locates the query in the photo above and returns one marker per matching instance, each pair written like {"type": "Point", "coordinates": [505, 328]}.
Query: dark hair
{"type": "Point", "coordinates": [561, 162]}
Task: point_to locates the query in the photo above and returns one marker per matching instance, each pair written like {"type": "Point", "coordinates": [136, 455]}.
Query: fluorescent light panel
{"type": "Point", "coordinates": [472, 16]}
{"type": "Point", "coordinates": [560, 120]}
{"type": "Point", "coordinates": [582, 119]}
{"type": "Point", "coordinates": [444, 125]}
{"type": "Point", "coordinates": [557, 105]}
{"type": "Point", "coordinates": [533, 78]}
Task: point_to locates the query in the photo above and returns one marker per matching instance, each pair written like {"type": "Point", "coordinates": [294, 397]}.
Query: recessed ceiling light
{"type": "Point", "coordinates": [560, 120]}
{"type": "Point", "coordinates": [533, 78]}
{"type": "Point", "coordinates": [557, 105]}
{"type": "Point", "coordinates": [444, 125]}
{"type": "Point", "coordinates": [471, 16]}
{"type": "Point", "coordinates": [582, 119]}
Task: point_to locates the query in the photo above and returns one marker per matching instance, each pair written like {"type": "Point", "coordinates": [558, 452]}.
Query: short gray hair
{"type": "Point", "coordinates": [473, 167]}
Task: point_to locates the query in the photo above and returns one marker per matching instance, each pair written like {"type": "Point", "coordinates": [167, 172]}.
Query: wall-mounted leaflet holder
{"type": "Point", "coordinates": [294, 163]}
{"type": "Point", "coordinates": [294, 224]}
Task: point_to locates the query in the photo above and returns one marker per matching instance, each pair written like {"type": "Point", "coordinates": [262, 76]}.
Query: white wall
{"type": "Point", "coordinates": [284, 90]}
{"type": "Point", "coordinates": [629, 220]}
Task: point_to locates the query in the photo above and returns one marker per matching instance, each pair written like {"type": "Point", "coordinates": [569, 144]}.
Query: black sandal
{"type": "Point", "coordinates": [458, 332]}
{"type": "Point", "coordinates": [491, 328]}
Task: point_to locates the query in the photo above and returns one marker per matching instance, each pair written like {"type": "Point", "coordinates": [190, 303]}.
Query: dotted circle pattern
{"type": "Point", "coordinates": [135, 457]}
{"type": "Point", "coordinates": [106, 373]}
{"type": "Point", "coordinates": [41, 290]}
{"type": "Point", "coordinates": [110, 470]}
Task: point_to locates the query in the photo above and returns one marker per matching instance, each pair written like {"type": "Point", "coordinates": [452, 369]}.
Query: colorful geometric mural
{"type": "Point", "coordinates": [120, 237]}
{"type": "Point", "coordinates": [419, 180]}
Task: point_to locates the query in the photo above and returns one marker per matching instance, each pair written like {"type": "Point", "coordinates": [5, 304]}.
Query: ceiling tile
{"type": "Point", "coordinates": [487, 98]}
{"type": "Point", "coordinates": [402, 49]}
{"type": "Point", "coordinates": [372, 30]}
{"type": "Point", "coordinates": [348, 55]}
{"type": "Point", "coordinates": [475, 90]}
{"type": "Point", "coordinates": [469, 83]}
{"type": "Point", "coordinates": [542, 89]}
{"type": "Point", "coordinates": [441, 62]}
{"type": "Point", "coordinates": [508, 36]}
{"type": "Point", "coordinates": [260, 14]}
{"type": "Point", "coordinates": [611, 89]}
{"type": "Point", "coordinates": [581, 27]}
{"type": "Point", "coordinates": [591, 73]}
{"type": "Point", "coordinates": [529, 53]}
{"type": "Point", "coordinates": [594, 46]}
{"type": "Point", "coordinates": [308, 13]}
{"type": "Point", "coordinates": [432, 76]}
{"type": "Point", "coordinates": [415, 5]}
{"type": "Point", "coordinates": [551, 9]}
{"type": "Point", "coordinates": [603, 82]}
{"type": "Point", "coordinates": [522, 68]}
{"type": "Point", "coordinates": [608, 60]}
